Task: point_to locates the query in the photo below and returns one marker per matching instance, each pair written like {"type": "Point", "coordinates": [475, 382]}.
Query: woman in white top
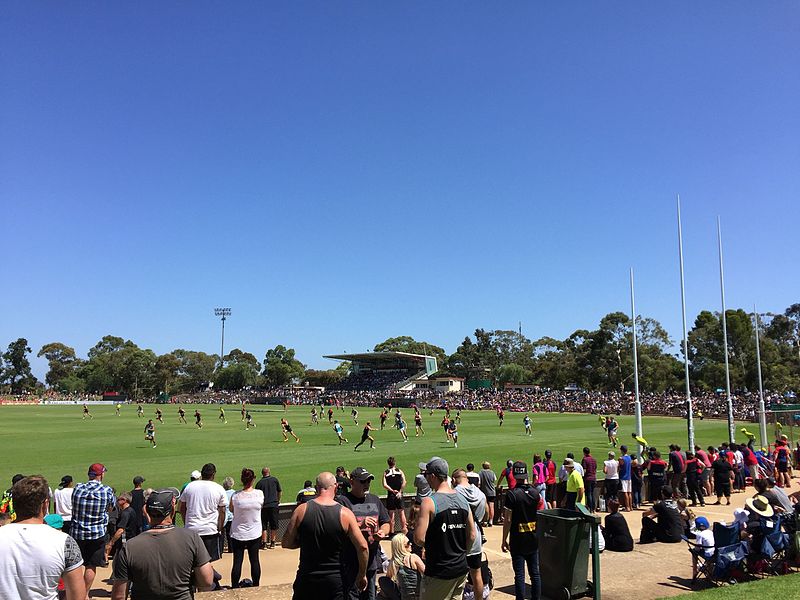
{"type": "Point", "coordinates": [611, 484]}
{"type": "Point", "coordinates": [62, 498]}
{"type": "Point", "coordinates": [246, 507]}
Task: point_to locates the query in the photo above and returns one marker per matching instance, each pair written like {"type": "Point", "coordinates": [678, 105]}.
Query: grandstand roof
{"type": "Point", "coordinates": [380, 357]}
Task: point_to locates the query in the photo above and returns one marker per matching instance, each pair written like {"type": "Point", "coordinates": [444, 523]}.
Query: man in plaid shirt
{"type": "Point", "coordinates": [91, 502]}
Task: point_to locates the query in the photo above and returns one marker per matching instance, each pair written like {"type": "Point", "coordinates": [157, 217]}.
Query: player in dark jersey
{"type": "Point", "coordinates": [365, 435]}
{"type": "Point", "coordinates": [314, 417]}
{"type": "Point", "coordinates": [181, 415]}
{"type": "Point", "coordinates": [383, 417]}
{"type": "Point", "coordinates": [418, 424]}
{"type": "Point", "coordinates": [150, 432]}
{"type": "Point", "coordinates": [159, 416]}
{"type": "Point", "coordinates": [330, 415]}
{"type": "Point", "coordinates": [458, 416]}
{"type": "Point", "coordinates": [501, 415]}
{"type": "Point", "coordinates": [354, 414]}
{"type": "Point", "coordinates": [86, 413]}
{"type": "Point", "coordinates": [446, 426]}
{"type": "Point", "coordinates": [286, 429]}
{"type": "Point", "coordinates": [248, 420]}
{"type": "Point", "coordinates": [397, 418]}
{"type": "Point", "coordinates": [139, 410]}
{"type": "Point", "coordinates": [198, 420]}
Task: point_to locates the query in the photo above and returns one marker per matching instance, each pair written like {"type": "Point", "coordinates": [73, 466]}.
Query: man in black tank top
{"type": "Point", "coordinates": [446, 528]}
{"type": "Point", "coordinates": [319, 528]}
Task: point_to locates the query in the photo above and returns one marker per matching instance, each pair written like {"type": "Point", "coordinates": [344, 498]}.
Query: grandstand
{"type": "Point", "coordinates": [384, 371]}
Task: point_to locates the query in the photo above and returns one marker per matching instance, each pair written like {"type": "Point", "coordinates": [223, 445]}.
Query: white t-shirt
{"type": "Point", "coordinates": [33, 559]}
{"type": "Point", "coordinates": [246, 523]}
{"type": "Point", "coordinates": [203, 499]}
{"type": "Point", "coordinates": [612, 468]}
{"type": "Point", "coordinates": [63, 502]}
{"type": "Point", "coordinates": [705, 538]}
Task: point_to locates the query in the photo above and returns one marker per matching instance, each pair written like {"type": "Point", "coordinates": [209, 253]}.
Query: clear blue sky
{"type": "Point", "coordinates": [339, 173]}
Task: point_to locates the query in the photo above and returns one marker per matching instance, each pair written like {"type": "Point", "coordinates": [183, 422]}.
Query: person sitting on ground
{"type": "Point", "coordinates": [404, 573]}
{"type": "Point", "coordinates": [617, 534]}
{"type": "Point", "coordinates": [687, 516]}
{"type": "Point", "coordinates": [704, 538]}
{"type": "Point", "coordinates": [662, 523]}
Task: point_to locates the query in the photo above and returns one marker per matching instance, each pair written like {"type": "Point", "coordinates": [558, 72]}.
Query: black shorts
{"type": "Point", "coordinates": [393, 502]}
{"type": "Point", "coordinates": [474, 561]}
{"type": "Point", "coordinates": [213, 543]}
{"type": "Point", "coordinates": [722, 488]}
{"type": "Point", "coordinates": [93, 552]}
{"type": "Point", "coordinates": [550, 492]}
{"type": "Point", "coordinates": [319, 587]}
{"type": "Point", "coordinates": [288, 429]}
{"type": "Point", "coordinates": [269, 518]}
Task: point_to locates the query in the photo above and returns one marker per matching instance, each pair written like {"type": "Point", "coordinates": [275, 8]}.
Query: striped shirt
{"type": "Point", "coordinates": [90, 504]}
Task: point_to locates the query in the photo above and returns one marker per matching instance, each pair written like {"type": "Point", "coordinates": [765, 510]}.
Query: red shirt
{"type": "Point", "coordinates": [551, 472]}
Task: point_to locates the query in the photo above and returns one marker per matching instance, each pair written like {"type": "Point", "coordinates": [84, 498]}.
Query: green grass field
{"type": "Point", "coordinates": [784, 586]}
{"type": "Point", "coordinates": [54, 441]}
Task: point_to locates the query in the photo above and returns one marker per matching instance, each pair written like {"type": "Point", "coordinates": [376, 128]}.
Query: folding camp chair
{"type": "Point", "coordinates": [728, 558]}
{"type": "Point", "coordinates": [774, 544]}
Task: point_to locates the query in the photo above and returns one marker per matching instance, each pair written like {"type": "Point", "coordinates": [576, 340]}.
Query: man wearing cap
{"type": "Point", "coordinates": [164, 561]}
{"type": "Point", "coordinates": [91, 503]}
{"type": "Point", "coordinates": [519, 532]}
{"type": "Point", "coordinates": [34, 555]}
{"type": "Point", "coordinates": [127, 526]}
{"type": "Point", "coordinates": [575, 489]}
{"type": "Point", "coordinates": [202, 506]}
{"type": "Point", "coordinates": [373, 521]}
{"type": "Point", "coordinates": [446, 529]}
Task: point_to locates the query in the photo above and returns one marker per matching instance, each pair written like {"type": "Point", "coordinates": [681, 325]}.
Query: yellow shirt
{"type": "Point", "coordinates": [575, 482]}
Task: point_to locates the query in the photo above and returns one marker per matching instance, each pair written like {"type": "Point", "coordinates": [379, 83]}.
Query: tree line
{"type": "Point", "coordinates": [599, 359]}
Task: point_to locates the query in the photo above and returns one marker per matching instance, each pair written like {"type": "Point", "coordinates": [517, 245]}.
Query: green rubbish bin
{"type": "Point", "coordinates": [563, 537]}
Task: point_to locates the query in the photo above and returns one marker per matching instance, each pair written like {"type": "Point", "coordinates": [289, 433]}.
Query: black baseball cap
{"type": "Point", "coordinates": [361, 474]}
{"type": "Point", "coordinates": [520, 470]}
{"type": "Point", "coordinates": [159, 502]}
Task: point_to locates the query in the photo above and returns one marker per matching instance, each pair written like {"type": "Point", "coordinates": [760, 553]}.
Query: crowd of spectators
{"type": "Point", "coordinates": [61, 537]}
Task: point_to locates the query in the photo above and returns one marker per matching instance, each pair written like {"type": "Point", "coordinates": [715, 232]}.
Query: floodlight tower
{"type": "Point", "coordinates": [222, 313]}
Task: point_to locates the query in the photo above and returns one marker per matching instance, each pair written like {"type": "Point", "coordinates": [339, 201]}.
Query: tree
{"type": "Point", "coordinates": [240, 370]}
{"type": "Point", "coordinates": [281, 367]}
{"type": "Point", "coordinates": [513, 373]}
{"type": "Point", "coordinates": [62, 361]}
{"type": "Point", "coordinates": [17, 368]}
{"type": "Point", "coordinates": [405, 343]}
{"type": "Point", "coordinates": [195, 370]}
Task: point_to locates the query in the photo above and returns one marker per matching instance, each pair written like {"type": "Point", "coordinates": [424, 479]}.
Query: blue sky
{"type": "Point", "coordinates": [339, 173]}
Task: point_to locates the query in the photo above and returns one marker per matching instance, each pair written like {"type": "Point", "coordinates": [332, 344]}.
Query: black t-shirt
{"type": "Point", "coordinates": [523, 502]}
{"type": "Point", "coordinates": [342, 485]}
{"type": "Point", "coordinates": [722, 470]}
{"type": "Point", "coordinates": [127, 521]}
{"type": "Point", "coordinates": [270, 486]}
{"type": "Point", "coordinates": [137, 504]}
{"type": "Point", "coordinates": [368, 506]}
{"type": "Point", "coordinates": [669, 519]}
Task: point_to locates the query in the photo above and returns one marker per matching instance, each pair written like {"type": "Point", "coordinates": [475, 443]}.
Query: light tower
{"type": "Point", "coordinates": [222, 313]}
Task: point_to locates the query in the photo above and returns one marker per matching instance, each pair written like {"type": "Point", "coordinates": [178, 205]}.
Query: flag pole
{"type": "Point", "coordinates": [638, 404]}
{"type": "Point", "coordinates": [762, 417]}
{"type": "Point", "coordinates": [731, 422]}
{"type": "Point", "coordinates": [689, 413]}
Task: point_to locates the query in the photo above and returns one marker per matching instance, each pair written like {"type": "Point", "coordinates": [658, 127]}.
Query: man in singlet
{"type": "Point", "coordinates": [319, 529]}
{"type": "Point", "coordinates": [181, 415]}
{"type": "Point", "coordinates": [159, 416]}
{"type": "Point", "coordinates": [314, 417]}
{"type": "Point", "coordinates": [330, 415]}
{"type": "Point", "coordinates": [354, 414]}
{"type": "Point", "coordinates": [222, 415]}
{"type": "Point", "coordinates": [198, 420]}
{"type": "Point", "coordinates": [383, 417]}
{"type": "Point", "coordinates": [248, 420]}
{"type": "Point", "coordinates": [527, 422]}
{"type": "Point", "coordinates": [501, 415]}
{"type": "Point", "coordinates": [286, 429]}
{"type": "Point", "coordinates": [418, 424]}
{"type": "Point", "coordinates": [139, 410]}
{"type": "Point", "coordinates": [150, 432]}
{"type": "Point", "coordinates": [86, 412]}
{"type": "Point", "coordinates": [446, 529]}
{"type": "Point", "coordinates": [394, 481]}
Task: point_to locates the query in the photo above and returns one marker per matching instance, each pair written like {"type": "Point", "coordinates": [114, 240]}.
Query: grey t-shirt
{"type": "Point", "coordinates": [488, 481]}
{"type": "Point", "coordinates": [160, 565]}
